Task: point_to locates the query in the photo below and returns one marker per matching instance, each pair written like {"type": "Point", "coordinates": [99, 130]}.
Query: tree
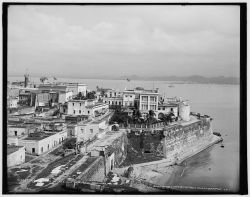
{"type": "Point", "coordinates": [91, 95]}
{"type": "Point", "coordinates": [151, 117]}
{"type": "Point", "coordinates": [151, 113]}
{"type": "Point", "coordinates": [43, 79]}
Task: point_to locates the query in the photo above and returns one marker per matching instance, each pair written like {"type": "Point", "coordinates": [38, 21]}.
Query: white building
{"type": "Point", "coordinates": [148, 100]}
{"type": "Point", "coordinates": [166, 108]}
{"type": "Point", "coordinates": [86, 107]}
{"type": "Point", "coordinates": [65, 96]}
{"type": "Point", "coordinates": [113, 101]}
{"type": "Point", "coordinates": [20, 130]}
{"type": "Point", "coordinates": [113, 93]}
{"type": "Point", "coordinates": [42, 142]}
{"type": "Point", "coordinates": [15, 155]}
{"type": "Point", "coordinates": [12, 103]}
{"type": "Point", "coordinates": [77, 87]}
{"type": "Point", "coordinates": [129, 98]}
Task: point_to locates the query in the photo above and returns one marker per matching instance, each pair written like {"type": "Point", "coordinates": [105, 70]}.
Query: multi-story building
{"type": "Point", "coordinates": [148, 100]}
{"type": "Point", "coordinates": [113, 93]}
{"type": "Point", "coordinates": [129, 98]}
{"type": "Point", "coordinates": [87, 107]}
{"type": "Point", "coordinates": [77, 88]}
{"type": "Point", "coordinates": [113, 101]}
{"type": "Point", "coordinates": [166, 108]}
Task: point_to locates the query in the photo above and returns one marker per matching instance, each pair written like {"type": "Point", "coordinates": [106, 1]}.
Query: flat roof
{"type": "Point", "coordinates": [96, 105]}
{"type": "Point", "coordinates": [12, 149]}
{"type": "Point", "coordinates": [168, 105]}
{"type": "Point", "coordinates": [42, 136]}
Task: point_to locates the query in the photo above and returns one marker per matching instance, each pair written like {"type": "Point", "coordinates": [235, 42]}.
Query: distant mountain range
{"type": "Point", "coordinates": [174, 79]}
{"type": "Point", "coordinates": [188, 79]}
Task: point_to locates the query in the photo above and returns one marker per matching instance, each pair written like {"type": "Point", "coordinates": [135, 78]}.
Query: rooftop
{"type": "Point", "coordinates": [12, 149]}
{"type": "Point", "coordinates": [168, 104]}
{"type": "Point", "coordinates": [39, 136]}
{"type": "Point", "coordinates": [96, 105]}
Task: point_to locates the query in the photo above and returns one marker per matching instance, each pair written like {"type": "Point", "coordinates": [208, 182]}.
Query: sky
{"type": "Point", "coordinates": [143, 40]}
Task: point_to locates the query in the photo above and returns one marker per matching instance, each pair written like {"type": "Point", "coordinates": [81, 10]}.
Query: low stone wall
{"type": "Point", "coordinates": [91, 170]}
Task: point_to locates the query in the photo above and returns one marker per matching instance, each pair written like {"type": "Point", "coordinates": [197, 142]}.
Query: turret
{"type": "Point", "coordinates": [184, 111]}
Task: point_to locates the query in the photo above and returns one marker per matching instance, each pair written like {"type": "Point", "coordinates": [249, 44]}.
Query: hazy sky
{"type": "Point", "coordinates": [124, 40]}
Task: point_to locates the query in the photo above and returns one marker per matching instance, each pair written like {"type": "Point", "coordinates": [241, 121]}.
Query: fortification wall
{"type": "Point", "coordinates": [179, 140]}
{"type": "Point", "coordinates": [170, 141]}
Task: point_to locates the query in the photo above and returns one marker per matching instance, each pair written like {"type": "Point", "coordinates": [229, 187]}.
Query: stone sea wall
{"type": "Point", "coordinates": [170, 141]}
{"type": "Point", "coordinates": [180, 139]}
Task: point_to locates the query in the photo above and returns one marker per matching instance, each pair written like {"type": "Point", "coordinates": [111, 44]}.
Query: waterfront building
{"type": "Point", "coordinates": [15, 155]}
{"type": "Point", "coordinates": [166, 108]}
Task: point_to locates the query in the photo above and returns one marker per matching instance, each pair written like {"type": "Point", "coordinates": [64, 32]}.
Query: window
{"type": "Point", "coordinates": [171, 109]}
{"type": "Point", "coordinates": [144, 98]}
{"type": "Point", "coordinates": [91, 131]}
{"type": "Point", "coordinates": [130, 104]}
{"type": "Point", "coordinates": [159, 108]}
{"type": "Point", "coordinates": [152, 107]}
{"type": "Point", "coordinates": [80, 104]}
{"type": "Point", "coordinates": [33, 150]}
{"type": "Point", "coordinates": [79, 111]}
{"type": "Point", "coordinates": [152, 99]}
{"type": "Point", "coordinates": [74, 111]}
{"type": "Point", "coordinates": [130, 96]}
{"type": "Point", "coordinates": [144, 107]}
{"type": "Point", "coordinates": [41, 149]}
{"type": "Point", "coordinates": [15, 133]}
{"type": "Point", "coordinates": [88, 112]}
{"type": "Point", "coordinates": [163, 108]}
{"type": "Point", "coordinates": [73, 104]}
{"type": "Point", "coordinates": [48, 146]}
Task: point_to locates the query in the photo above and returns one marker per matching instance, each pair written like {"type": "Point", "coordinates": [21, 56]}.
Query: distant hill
{"type": "Point", "coordinates": [175, 79]}
{"type": "Point", "coordinates": [189, 79]}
